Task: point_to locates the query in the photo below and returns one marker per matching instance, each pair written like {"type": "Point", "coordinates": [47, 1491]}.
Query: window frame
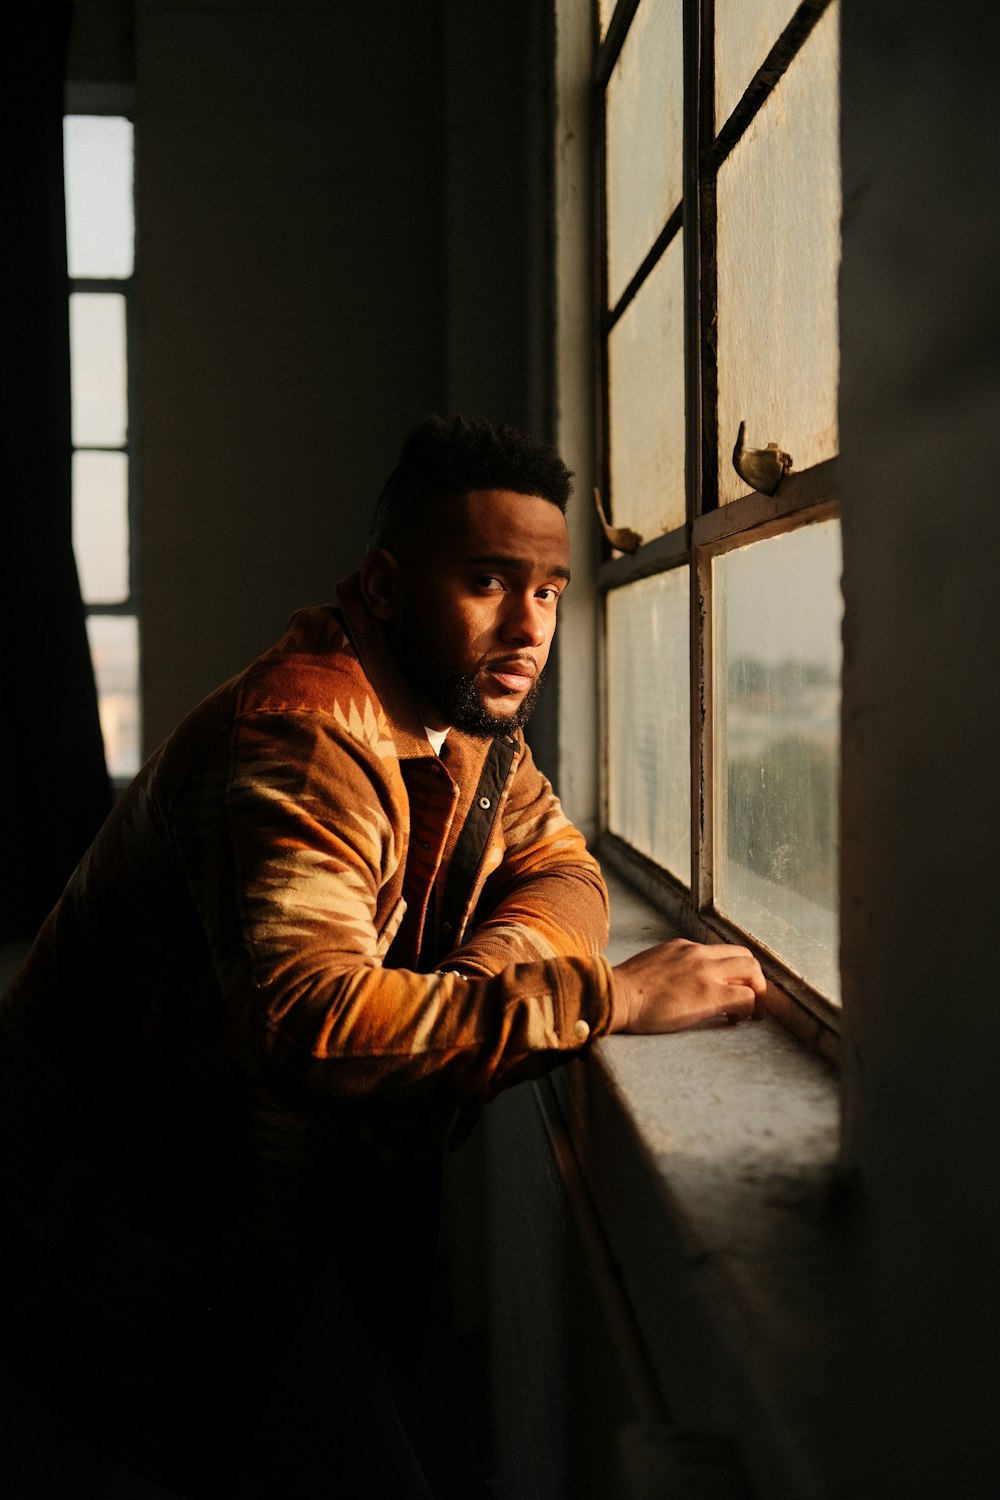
{"type": "Point", "coordinates": [710, 529]}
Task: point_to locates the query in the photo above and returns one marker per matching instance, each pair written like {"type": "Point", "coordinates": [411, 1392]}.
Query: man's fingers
{"type": "Point", "coordinates": [746, 969]}
{"type": "Point", "coordinates": [680, 983]}
{"type": "Point", "coordinates": [741, 1002]}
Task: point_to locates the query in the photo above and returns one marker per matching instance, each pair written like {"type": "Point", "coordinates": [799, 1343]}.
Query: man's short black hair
{"type": "Point", "coordinates": [450, 457]}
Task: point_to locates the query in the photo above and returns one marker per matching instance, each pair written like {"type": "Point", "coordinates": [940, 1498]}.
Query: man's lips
{"type": "Point", "coordinates": [514, 674]}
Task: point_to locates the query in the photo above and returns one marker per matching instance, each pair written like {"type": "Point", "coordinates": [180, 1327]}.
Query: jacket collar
{"type": "Point", "coordinates": [398, 704]}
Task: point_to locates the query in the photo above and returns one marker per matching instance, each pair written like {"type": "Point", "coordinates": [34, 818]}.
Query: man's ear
{"type": "Point", "coordinates": [380, 583]}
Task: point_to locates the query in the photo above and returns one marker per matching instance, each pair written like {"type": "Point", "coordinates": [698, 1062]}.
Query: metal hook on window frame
{"type": "Point", "coordinates": [762, 469]}
{"type": "Point", "coordinates": [622, 538]}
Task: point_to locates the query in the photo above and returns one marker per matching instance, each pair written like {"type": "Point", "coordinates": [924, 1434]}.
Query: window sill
{"type": "Point", "coordinates": [711, 1157]}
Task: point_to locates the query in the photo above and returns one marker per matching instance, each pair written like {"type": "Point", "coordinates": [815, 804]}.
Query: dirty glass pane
{"type": "Point", "coordinates": [777, 673]}
{"type": "Point", "coordinates": [100, 525]}
{"type": "Point", "coordinates": [745, 32]}
{"type": "Point", "coordinates": [779, 252]}
{"type": "Point", "coordinates": [97, 369]}
{"type": "Point", "coordinates": [114, 650]}
{"type": "Point", "coordinates": [644, 125]}
{"type": "Point", "coordinates": [646, 402]}
{"type": "Point", "coordinates": [100, 227]}
{"type": "Point", "coordinates": [649, 777]}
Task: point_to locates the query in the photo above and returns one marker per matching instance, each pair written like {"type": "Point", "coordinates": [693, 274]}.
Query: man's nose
{"type": "Point", "coordinates": [524, 622]}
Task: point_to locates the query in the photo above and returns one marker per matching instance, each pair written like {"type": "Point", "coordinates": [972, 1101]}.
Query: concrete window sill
{"type": "Point", "coordinates": [711, 1157]}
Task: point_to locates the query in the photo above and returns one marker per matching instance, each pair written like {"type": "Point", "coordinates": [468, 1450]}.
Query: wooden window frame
{"type": "Point", "coordinates": [710, 529]}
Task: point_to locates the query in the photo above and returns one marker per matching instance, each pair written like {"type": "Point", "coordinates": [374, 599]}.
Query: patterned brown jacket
{"type": "Point", "coordinates": [256, 936]}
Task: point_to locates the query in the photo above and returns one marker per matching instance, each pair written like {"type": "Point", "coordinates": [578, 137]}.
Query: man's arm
{"type": "Point", "coordinates": [288, 829]}
{"type": "Point", "coordinates": [547, 899]}
{"type": "Point", "coordinates": [288, 832]}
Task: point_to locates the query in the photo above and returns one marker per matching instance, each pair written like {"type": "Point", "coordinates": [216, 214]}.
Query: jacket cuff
{"type": "Point", "coordinates": [584, 990]}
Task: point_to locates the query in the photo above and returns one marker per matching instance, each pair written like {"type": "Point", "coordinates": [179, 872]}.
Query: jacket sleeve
{"type": "Point", "coordinates": [289, 830]}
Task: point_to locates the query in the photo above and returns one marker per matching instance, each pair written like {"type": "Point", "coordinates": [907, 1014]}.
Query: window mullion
{"type": "Point", "coordinates": [702, 720]}
{"type": "Point", "coordinates": [810, 495]}
{"type": "Point", "coordinates": [699, 271]}
{"type": "Point", "coordinates": [132, 397]}
{"type": "Point", "coordinates": [652, 557]}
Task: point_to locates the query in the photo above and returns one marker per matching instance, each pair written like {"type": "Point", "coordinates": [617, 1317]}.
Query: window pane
{"type": "Point", "coordinates": [97, 366]}
{"type": "Point", "coordinates": [100, 229]}
{"type": "Point", "coordinates": [745, 32]}
{"type": "Point", "coordinates": [779, 252]}
{"type": "Point", "coordinates": [114, 650]}
{"type": "Point", "coordinates": [778, 609]}
{"type": "Point", "coordinates": [649, 778]}
{"type": "Point", "coordinates": [100, 526]}
{"type": "Point", "coordinates": [646, 402]}
{"type": "Point", "coordinates": [644, 124]}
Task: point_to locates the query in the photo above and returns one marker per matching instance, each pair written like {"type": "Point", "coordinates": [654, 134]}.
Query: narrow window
{"type": "Point", "coordinates": [719, 194]}
{"type": "Point", "coordinates": [100, 236]}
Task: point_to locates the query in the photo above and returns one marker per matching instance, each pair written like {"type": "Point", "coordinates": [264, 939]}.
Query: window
{"type": "Point", "coordinates": [718, 187]}
{"type": "Point", "coordinates": [100, 235]}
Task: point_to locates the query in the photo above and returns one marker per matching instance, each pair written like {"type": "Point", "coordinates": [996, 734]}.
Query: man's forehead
{"type": "Point", "coordinates": [506, 523]}
{"type": "Point", "coordinates": [511, 562]}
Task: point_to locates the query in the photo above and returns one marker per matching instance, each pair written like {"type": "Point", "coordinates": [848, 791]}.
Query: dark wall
{"type": "Point", "coordinates": [920, 416]}
{"type": "Point", "coordinates": [290, 188]}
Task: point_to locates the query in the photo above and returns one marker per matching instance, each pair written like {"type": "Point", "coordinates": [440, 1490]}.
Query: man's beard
{"type": "Point", "coordinates": [455, 696]}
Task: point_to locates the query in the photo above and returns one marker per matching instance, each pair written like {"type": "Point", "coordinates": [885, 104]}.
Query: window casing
{"type": "Point", "coordinates": [100, 254]}
{"type": "Point", "coordinates": [718, 194]}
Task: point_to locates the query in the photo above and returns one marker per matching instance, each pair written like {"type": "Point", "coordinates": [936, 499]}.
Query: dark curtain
{"type": "Point", "coordinates": [54, 784]}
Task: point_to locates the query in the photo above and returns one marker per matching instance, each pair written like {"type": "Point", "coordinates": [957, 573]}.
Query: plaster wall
{"type": "Point", "coordinates": [336, 236]}
{"type": "Point", "coordinates": [290, 201]}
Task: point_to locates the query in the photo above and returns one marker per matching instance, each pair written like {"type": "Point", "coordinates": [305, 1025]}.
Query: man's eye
{"type": "Point", "coordinates": [548, 595]}
{"type": "Point", "coordinates": [488, 582]}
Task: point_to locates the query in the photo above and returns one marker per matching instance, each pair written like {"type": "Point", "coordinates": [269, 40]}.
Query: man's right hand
{"type": "Point", "coordinates": [680, 983]}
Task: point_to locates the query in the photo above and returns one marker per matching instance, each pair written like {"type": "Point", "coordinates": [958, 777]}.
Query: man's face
{"type": "Point", "coordinates": [476, 609]}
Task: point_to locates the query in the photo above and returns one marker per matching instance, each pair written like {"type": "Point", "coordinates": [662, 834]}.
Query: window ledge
{"type": "Point", "coordinates": [712, 1159]}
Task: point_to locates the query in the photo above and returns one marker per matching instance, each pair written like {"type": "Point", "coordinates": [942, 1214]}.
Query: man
{"type": "Point", "coordinates": [337, 910]}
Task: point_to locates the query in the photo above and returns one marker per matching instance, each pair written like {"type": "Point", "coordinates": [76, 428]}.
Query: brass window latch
{"type": "Point", "coordinates": [622, 538]}
{"type": "Point", "coordinates": [762, 469]}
